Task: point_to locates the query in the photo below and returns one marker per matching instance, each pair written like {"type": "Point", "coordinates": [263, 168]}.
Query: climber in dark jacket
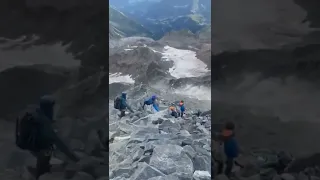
{"type": "Point", "coordinates": [152, 101]}
{"type": "Point", "coordinates": [124, 105]}
{"type": "Point", "coordinates": [47, 138]}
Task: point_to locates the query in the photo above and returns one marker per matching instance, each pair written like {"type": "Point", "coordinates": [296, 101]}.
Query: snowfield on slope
{"type": "Point", "coordinates": [198, 92]}
{"type": "Point", "coordinates": [118, 78]}
{"type": "Point", "coordinates": [185, 63]}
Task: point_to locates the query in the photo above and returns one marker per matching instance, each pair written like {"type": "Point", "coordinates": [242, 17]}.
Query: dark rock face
{"type": "Point", "coordinates": [266, 75]}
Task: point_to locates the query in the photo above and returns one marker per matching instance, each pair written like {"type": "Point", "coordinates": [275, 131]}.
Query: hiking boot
{"type": "Point", "coordinates": [32, 171]}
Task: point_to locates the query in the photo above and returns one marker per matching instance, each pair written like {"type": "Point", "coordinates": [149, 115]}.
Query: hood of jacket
{"type": "Point", "coordinates": [47, 107]}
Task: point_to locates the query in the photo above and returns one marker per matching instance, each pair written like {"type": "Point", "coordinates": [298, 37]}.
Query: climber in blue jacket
{"type": "Point", "coordinates": [152, 101]}
{"type": "Point", "coordinates": [182, 108]}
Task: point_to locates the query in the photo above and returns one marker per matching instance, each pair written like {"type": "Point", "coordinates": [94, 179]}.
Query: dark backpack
{"type": "Point", "coordinates": [117, 102]}
{"type": "Point", "coordinates": [27, 132]}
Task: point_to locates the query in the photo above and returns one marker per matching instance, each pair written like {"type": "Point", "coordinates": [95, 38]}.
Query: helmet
{"type": "Point", "coordinates": [154, 97]}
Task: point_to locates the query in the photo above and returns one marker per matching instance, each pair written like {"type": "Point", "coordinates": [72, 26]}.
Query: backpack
{"type": "Point", "coordinates": [117, 102]}
{"type": "Point", "coordinates": [27, 132]}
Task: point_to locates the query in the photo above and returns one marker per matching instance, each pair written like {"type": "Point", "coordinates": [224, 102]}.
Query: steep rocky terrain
{"type": "Point", "coordinates": [265, 79]}
{"type": "Point", "coordinates": [59, 49]}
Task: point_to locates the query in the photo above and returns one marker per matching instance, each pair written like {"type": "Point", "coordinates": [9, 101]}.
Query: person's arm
{"type": "Point", "coordinates": [59, 144]}
{"type": "Point", "coordinates": [155, 106]}
{"type": "Point", "coordinates": [130, 109]}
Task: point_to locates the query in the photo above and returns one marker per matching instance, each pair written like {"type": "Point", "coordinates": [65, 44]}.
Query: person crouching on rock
{"type": "Point", "coordinates": [182, 108]}
{"type": "Point", "coordinates": [152, 101]}
{"type": "Point", "coordinates": [173, 111]}
{"type": "Point", "coordinates": [231, 149]}
{"type": "Point", "coordinates": [120, 103]}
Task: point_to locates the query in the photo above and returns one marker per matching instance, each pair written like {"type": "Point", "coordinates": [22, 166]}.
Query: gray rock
{"type": "Point", "coordinates": [52, 176]}
{"type": "Point", "coordinates": [113, 134]}
{"type": "Point", "coordinates": [137, 154]}
{"type": "Point", "coordinates": [184, 132]}
{"type": "Point", "coordinates": [88, 163]}
{"type": "Point", "coordinates": [145, 159]}
{"type": "Point", "coordinates": [186, 141]}
{"type": "Point", "coordinates": [140, 135]}
{"type": "Point", "coordinates": [82, 176]}
{"type": "Point", "coordinates": [286, 176]}
{"type": "Point", "coordinates": [202, 151]}
{"type": "Point", "coordinates": [141, 122]}
{"type": "Point", "coordinates": [189, 151]}
{"type": "Point", "coordinates": [145, 171]}
{"type": "Point", "coordinates": [103, 178]}
{"type": "Point", "coordinates": [201, 175]}
{"type": "Point", "coordinates": [169, 177]}
{"type": "Point", "coordinates": [101, 171]}
{"type": "Point", "coordinates": [157, 121]}
{"type": "Point", "coordinates": [26, 175]}
{"type": "Point", "coordinates": [266, 174]}
{"type": "Point", "coordinates": [254, 177]}
{"type": "Point", "coordinates": [124, 171]}
{"type": "Point", "coordinates": [314, 178]}
{"type": "Point", "coordinates": [76, 144]}
{"type": "Point", "coordinates": [93, 143]}
{"type": "Point", "coordinates": [134, 118]}
{"type": "Point", "coordinates": [221, 177]}
{"type": "Point", "coordinates": [171, 158]}
{"type": "Point", "coordinates": [277, 177]}
{"type": "Point", "coordinates": [302, 176]}
{"type": "Point", "coordinates": [202, 163]}
{"type": "Point", "coordinates": [167, 124]}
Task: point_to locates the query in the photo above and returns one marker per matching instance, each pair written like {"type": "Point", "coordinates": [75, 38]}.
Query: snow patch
{"type": "Point", "coordinates": [198, 92]}
{"type": "Point", "coordinates": [185, 63]}
{"type": "Point", "coordinates": [201, 175]}
{"type": "Point", "coordinates": [118, 78]}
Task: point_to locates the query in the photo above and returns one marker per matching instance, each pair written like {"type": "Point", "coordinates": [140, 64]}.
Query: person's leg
{"type": "Point", "coordinates": [43, 162]}
{"type": "Point", "coordinates": [123, 113]}
{"type": "Point", "coordinates": [219, 167]}
{"type": "Point", "coordinates": [229, 166]}
{"type": "Point", "coordinates": [182, 113]}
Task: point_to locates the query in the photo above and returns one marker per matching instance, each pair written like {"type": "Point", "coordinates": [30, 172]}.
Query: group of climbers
{"type": "Point", "coordinates": [35, 133]}
{"type": "Point", "coordinates": [177, 111]}
{"type": "Point", "coordinates": [120, 103]}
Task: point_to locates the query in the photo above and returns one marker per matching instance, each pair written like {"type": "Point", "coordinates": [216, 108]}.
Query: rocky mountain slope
{"type": "Point", "coordinates": [265, 78]}
{"type": "Point", "coordinates": [122, 26]}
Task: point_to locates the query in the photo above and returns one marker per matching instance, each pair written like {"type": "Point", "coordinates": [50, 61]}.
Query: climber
{"type": "Point", "coordinates": [182, 108]}
{"type": "Point", "coordinates": [121, 104]}
{"type": "Point", "coordinates": [40, 144]}
{"type": "Point", "coordinates": [152, 101]}
{"type": "Point", "coordinates": [173, 110]}
{"type": "Point", "coordinates": [230, 146]}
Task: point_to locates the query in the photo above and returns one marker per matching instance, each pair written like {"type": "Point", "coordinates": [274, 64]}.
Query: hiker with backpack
{"type": "Point", "coordinates": [120, 103]}
{"type": "Point", "coordinates": [34, 132]}
{"type": "Point", "coordinates": [173, 110]}
{"type": "Point", "coordinates": [151, 101]}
